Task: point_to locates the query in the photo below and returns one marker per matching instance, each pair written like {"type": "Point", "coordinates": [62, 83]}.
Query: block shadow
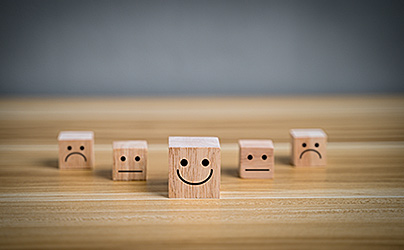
{"type": "Point", "coordinates": [50, 163]}
{"type": "Point", "coordinates": [104, 173]}
{"type": "Point", "coordinates": [283, 160]}
{"type": "Point", "coordinates": [232, 172]}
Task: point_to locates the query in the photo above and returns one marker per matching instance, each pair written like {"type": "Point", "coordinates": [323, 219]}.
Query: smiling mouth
{"type": "Point", "coordinates": [312, 150]}
{"type": "Point", "coordinates": [194, 183]}
{"type": "Point", "coordinates": [76, 153]}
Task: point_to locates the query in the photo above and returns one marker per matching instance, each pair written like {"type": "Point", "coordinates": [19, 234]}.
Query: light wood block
{"type": "Point", "coordinates": [309, 147]}
{"type": "Point", "coordinates": [356, 202]}
{"type": "Point", "coordinates": [76, 150]}
{"type": "Point", "coordinates": [194, 167]}
{"type": "Point", "coordinates": [130, 161]}
{"type": "Point", "coordinates": [256, 159]}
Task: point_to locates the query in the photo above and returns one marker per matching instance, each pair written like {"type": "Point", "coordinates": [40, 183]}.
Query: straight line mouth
{"type": "Point", "coordinates": [258, 169]}
{"type": "Point", "coordinates": [130, 171]}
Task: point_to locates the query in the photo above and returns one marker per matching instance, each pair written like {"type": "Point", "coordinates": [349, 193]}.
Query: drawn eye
{"type": "Point", "coordinates": [123, 158]}
{"type": "Point", "coordinates": [264, 157]}
{"type": "Point", "coordinates": [81, 147]}
{"type": "Point", "coordinates": [317, 145]}
{"type": "Point", "coordinates": [184, 162]}
{"type": "Point", "coordinates": [304, 144]}
{"type": "Point", "coordinates": [69, 147]}
{"type": "Point", "coordinates": [250, 157]}
{"type": "Point", "coordinates": [205, 162]}
{"type": "Point", "coordinates": [137, 158]}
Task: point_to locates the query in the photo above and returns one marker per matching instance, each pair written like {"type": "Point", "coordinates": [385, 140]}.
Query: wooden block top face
{"type": "Point", "coordinates": [256, 159]}
{"type": "Point", "coordinates": [193, 142]}
{"type": "Point", "coordinates": [194, 172]}
{"type": "Point", "coordinates": [256, 144]}
{"type": "Point", "coordinates": [309, 150]}
{"type": "Point", "coordinates": [308, 133]}
{"type": "Point", "coordinates": [76, 135]}
{"type": "Point", "coordinates": [76, 150]}
{"type": "Point", "coordinates": [130, 160]}
{"type": "Point", "coordinates": [130, 144]}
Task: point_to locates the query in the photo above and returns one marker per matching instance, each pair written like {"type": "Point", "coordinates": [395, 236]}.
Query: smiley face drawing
{"type": "Point", "coordinates": [130, 160]}
{"type": "Point", "coordinates": [76, 149]}
{"type": "Point", "coordinates": [194, 167]}
{"type": "Point", "coordinates": [309, 147]}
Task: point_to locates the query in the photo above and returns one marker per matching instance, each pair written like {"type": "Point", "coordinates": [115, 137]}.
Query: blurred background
{"type": "Point", "coordinates": [158, 48]}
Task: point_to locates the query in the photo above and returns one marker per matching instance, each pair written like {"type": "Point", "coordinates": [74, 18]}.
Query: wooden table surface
{"type": "Point", "coordinates": [356, 202]}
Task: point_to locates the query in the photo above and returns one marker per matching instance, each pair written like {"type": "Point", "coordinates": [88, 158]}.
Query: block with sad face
{"type": "Point", "coordinates": [256, 159]}
{"type": "Point", "coordinates": [130, 160]}
{"type": "Point", "coordinates": [76, 150]}
{"type": "Point", "coordinates": [194, 167]}
{"type": "Point", "coordinates": [309, 147]}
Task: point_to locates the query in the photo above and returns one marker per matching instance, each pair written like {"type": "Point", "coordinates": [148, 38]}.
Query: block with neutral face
{"type": "Point", "coordinates": [256, 159]}
{"type": "Point", "coordinates": [309, 147]}
{"type": "Point", "coordinates": [130, 160]}
{"type": "Point", "coordinates": [76, 150]}
{"type": "Point", "coordinates": [194, 167]}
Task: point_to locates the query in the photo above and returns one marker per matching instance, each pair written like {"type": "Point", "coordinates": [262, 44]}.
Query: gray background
{"type": "Point", "coordinates": [201, 47]}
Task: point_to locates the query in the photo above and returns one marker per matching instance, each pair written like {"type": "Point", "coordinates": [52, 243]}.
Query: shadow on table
{"type": "Point", "coordinates": [104, 173]}
{"type": "Point", "coordinates": [158, 187]}
{"type": "Point", "coordinates": [282, 160]}
{"type": "Point", "coordinates": [230, 171]}
{"type": "Point", "coordinates": [50, 163]}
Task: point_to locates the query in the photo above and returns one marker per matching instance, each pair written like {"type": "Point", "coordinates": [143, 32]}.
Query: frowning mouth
{"type": "Point", "coordinates": [312, 150]}
{"type": "Point", "coordinates": [76, 153]}
{"type": "Point", "coordinates": [194, 183]}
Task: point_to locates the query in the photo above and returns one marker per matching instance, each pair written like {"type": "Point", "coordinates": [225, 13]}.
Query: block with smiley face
{"type": "Point", "coordinates": [256, 159]}
{"type": "Point", "coordinates": [130, 161]}
{"type": "Point", "coordinates": [76, 150]}
{"type": "Point", "coordinates": [309, 147]}
{"type": "Point", "coordinates": [194, 167]}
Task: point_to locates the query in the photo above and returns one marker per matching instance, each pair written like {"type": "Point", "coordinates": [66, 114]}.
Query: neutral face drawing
{"type": "Point", "coordinates": [130, 160]}
{"type": "Point", "coordinates": [256, 159]}
{"type": "Point", "coordinates": [127, 164]}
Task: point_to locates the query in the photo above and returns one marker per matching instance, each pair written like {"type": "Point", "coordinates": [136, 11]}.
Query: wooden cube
{"type": "Point", "coordinates": [194, 167]}
{"type": "Point", "coordinates": [256, 159]}
{"type": "Point", "coordinates": [76, 150]}
{"type": "Point", "coordinates": [309, 147]}
{"type": "Point", "coordinates": [130, 161]}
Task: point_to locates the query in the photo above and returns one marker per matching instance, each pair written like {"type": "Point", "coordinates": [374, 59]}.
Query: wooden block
{"type": "Point", "coordinates": [76, 150]}
{"type": "Point", "coordinates": [194, 167]}
{"type": "Point", "coordinates": [309, 147]}
{"type": "Point", "coordinates": [130, 161]}
{"type": "Point", "coordinates": [256, 159]}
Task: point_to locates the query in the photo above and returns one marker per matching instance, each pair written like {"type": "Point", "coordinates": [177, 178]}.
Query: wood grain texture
{"type": "Point", "coordinates": [356, 202]}
{"type": "Point", "coordinates": [194, 167]}
{"type": "Point", "coordinates": [76, 150]}
{"type": "Point", "coordinates": [256, 159]}
{"type": "Point", "coordinates": [129, 160]}
{"type": "Point", "coordinates": [309, 147]}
